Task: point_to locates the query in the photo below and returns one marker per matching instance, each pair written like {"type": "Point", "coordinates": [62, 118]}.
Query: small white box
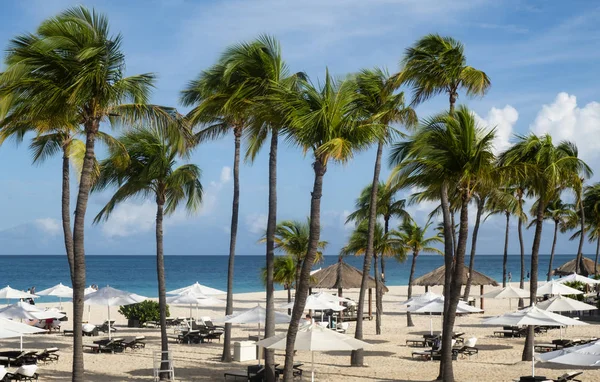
{"type": "Point", "coordinates": [244, 351]}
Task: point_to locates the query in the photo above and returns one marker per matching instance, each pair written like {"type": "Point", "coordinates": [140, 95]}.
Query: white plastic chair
{"type": "Point", "coordinates": [471, 342]}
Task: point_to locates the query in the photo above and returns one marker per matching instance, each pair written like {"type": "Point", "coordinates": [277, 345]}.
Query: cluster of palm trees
{"type": "Point", "coordinates": [66, 81]}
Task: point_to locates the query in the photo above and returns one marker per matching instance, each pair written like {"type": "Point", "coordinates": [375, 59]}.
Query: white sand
{"type": "Point", "coordinates": [389, 359]}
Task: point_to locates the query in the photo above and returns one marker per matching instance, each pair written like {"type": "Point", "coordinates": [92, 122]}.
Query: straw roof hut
{"type": "Point", "coordinates": [569, 268]}
{"type": "Point", "coordinates": [436, 277]}
{"type": "Point", "coordinates": [340, 276]}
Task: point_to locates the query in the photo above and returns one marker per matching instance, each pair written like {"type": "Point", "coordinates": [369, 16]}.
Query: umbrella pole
{"type": "Point", "coordinates": [21, 343]}
{"type": "Point", "coordinates": [108, 322]}
{"type": "Point", "coordinates": [430, 324]}
{"type": "Point", "coordinates": [532, 360]}
{"type": "Point", "coordinates": [312, 356]}
{"type": "Point", "coordinates": [60, 303]}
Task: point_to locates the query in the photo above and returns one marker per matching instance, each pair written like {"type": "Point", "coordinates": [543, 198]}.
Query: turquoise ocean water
{"type": "Point", "coordinates": [137, 274]}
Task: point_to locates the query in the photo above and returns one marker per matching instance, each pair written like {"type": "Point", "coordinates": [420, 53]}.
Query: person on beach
{"type": "Point", "coordinates": [509, 277]}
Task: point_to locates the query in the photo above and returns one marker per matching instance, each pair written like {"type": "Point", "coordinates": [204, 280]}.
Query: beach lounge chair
{"type": "Point", "coordinates": [47, 355]}
{"type": "Point", "coordinates": [114, 345]}
{"type": "Point", "coordinates": [416, 342]}
{"type": "Point", "coordinates": [208, 323]}
{"type": "Point", "coordinates": [570, 376]}
{"type": "Point", "coordinates": [17, 358]}
{"type": "Point", "coordinates": [134, 342]}
{"type": "Point", "coordinates": [468, 349]}
{"type": "Point", "coordinates": [104, 327]}
{"type": "Point", "coordinates": [189, 337]}
{"type": "Point", "coordinates": [459, 337]}
{"type": "Point", "coordinates": [23, 373]}
{"type": "Point", "coordinates": [296, 369]}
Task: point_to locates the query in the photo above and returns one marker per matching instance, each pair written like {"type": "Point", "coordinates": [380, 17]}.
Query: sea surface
{"type": "Point", "coordinates": [137, 274]}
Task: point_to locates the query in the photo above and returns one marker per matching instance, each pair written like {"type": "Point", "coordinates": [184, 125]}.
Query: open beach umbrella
{"type": "Point", "coordinates": [109, 296]}
{"type": "Point", "coordinates": [256, 315]}
{"type": "Point", "coordinates": [198, 289]}
{"type": "Point", "coordinates": [331, 298]}
{"type": "Point", "coordinates": [25, 311]}
{"type": "Point", "coordinates": [61, 291]}
{"type": "Point", "coordinates": [532, 316]}
{"type": "Point", "coordinates": [509, 292]}
{"type": "Point", "coordinates": [9, 293]}
{"type": "Point", "coordinates": [575, 277]}
{"type": "Point", "coordinates": [314, 302]}
{"type": "Point", "coordinates": [421, 299]}
{"type": "Point", "coordinates": [564, 304]}
{"type": "Point", "coordinates": [580, 355]}
{"type": "Point", "coordinates": [437, 306]}
{"type": "Point", "coordinates": [554, 287]}
{"type": "Point", "coordinates": [191, 299]}
{"type": "Point", "coordinates": [11, 329]}
{"type": "Point", "coordinates": [314, 338]}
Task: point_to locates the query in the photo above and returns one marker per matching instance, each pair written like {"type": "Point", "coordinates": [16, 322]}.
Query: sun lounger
{"type": "Point", "coordinates": [23, 373]}
{"type": "Point", "coordinates": [570, 376]}
{"type": "Point", "coordinates": [47, 355]}
{"type": "Point", "coordinates": [546, 347]}
{"type": "Point", "coordinates": [106, 325]}
{"type": "Point", "coordinates": [114, 345]}
{"type": "Point", "coordinates": [459, 337]}
{"type": "Point", "coordinates": [235, 375]}
{"type": "Point", "coordinates": [432, 354]}
{"type": "Point", "coordinates": [418, 342]}
{"type": "Point", "coordinates": [297, 371]}
{"type": "Point", "coordinates": [134, 343]}
{"type": "Point", "coordinates": [189, 337]}
{"type": "Point", "coordinates": [18, 358]}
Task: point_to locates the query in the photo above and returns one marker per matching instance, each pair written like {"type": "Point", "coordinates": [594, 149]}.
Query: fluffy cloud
{"type": "Point", "coordinates": [129, 219]}
{"type": "Point", "coordinates": [256, 223]}
{"type": "Point", "coordinates": [503, 121]}
{"type": "Point", "coordinates": [49, 225]}
{"type": "Point", "coordinates": [209, 199]}
{"type": "Point", "coordinates": [565, 120]}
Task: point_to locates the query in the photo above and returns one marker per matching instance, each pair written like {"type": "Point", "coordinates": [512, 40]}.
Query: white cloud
{"type": "Point", "coordinates": [209, 199]}
{"type": "Point", "coordinates": [49, 225]}
{"type": "Point", "coordinates": [256, 223]}
{"type": "Point", "coordinates": [565, 120]}
{"type": "Point", "coordinates": [225, 174]}
{"type": "Point", "coordinates": [503, 121]}
{"type": "Point", "coordinates": [129, 219]}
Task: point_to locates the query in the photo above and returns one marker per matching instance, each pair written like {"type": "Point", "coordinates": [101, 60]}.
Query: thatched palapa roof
{"type": "Point", "coordinates": [437, 276]}
{"type": "Point", "coordinates": [569, 268]}
{"type": "Point", "coordinates": [340, 275]}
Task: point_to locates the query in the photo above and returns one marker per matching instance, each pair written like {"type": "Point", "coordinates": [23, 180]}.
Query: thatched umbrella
{"type": "Point", "coordinates": [342, 276]}
{"type": "Point", "coordinates": [437, 276]}
{"type": "Point", "coordinates": [569, 268]}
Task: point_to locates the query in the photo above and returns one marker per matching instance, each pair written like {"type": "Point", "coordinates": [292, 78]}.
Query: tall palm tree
{"type": "Point", "coordinates": [413, 239]}
{"type": "Point", "coordinates": [437, 65]}
{"type": "Point", "coordinates": [147, 168]}
{"type": "Point", "coordinates": [591, 202]}
{"type": "Point", "coordinates": [322, 121]}
{"type": "Point", "coordinates": [543, 168]}
{"type": "Point", "coordinates": [379, 102]}
{"type": "Point", "coordinates": [71, 69]}
{"type": "Point", "coordinates": [449, 151]}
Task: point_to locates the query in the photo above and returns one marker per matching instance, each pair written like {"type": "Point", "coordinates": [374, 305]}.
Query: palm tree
{"type": "Point", "coordinates": [413, 239]}
{"type": "Point", "coordinates": [284, 273]}
{"type": "Point", "coordinates": [437, 65]}
{"type": "Point", "coordinates": [72, 69]}
{"type": "Point", "coordinates": [543, 168]}
{"type": "Point", "coordinates": [146, 168]}
{"type": "Point", "coordinates": [321, 120]}
{"type": "Point", "coordinates": [591, 202]}
{"type": "Point", "coordinates": [449, 151]}
{"type": "Point", "coordinates": [378, 102]}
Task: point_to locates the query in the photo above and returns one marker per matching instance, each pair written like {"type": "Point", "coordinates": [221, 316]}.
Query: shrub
{"type": "Point", "coordinates": [576, 285]}
{"type": "Point", "coordinates": [144, 311]}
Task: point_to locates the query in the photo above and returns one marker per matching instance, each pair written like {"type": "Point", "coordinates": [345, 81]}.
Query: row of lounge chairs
{"type": "Point", "coordinates": [29, 357]}
{"type": "Point", "coordinates": [23, 373]}
{"type": "Point", "coordinates": [460, 347]}
{"type": "Point", "coordinates": [116, 345]}
{"type": "Point", "coordinates": [93, 330]}
{"type": "Point", "coordinates": [256, 373]}
{"type": "Point", "coordinates": [199, 333]}
{"type": "Point", "coordinates": [567, 377]}
{"type": "Point", "coordinates": [518, 331]}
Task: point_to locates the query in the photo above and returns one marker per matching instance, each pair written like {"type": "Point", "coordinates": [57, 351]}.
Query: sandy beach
{"type": "Point", "coordinates": [388, 359]}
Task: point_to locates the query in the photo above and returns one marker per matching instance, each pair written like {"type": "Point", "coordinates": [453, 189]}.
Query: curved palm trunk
{"type": "Point", "coordinates": [453, 96]}
{"type": "Point", "coordinates": [386, 228]}
{"type": "Point", "coordinates": [289, 295]}
{"type": "Point", "coordinates": [413, 268]}
{"type": "Point", "coordinates": [226, 356]}
{"type": "Point", "coordinates": [378, 294]}
{"type": "Point", "coordinates": [597, 253]}
{"type": "Point", "coordinates": [78, 275]}
{"type": "Point", "coordinates": [480, 205]}
{"type": "Point", "coordinates": [162, 289]}
{"type": "Point", "coordinates": [528, 348]}
{"type": "Point", "coordinates": [302, 288]}
{"type": "Point", "coordinates": [357, 357]}
{"type": "Point", "coordinates": [66, 209]}
{"type": "Point", "coordinates": [505, 257]}
{"type": "Point", "coordinates": [448, 263]}
{"type": "Point", "coordinates": [549, 275]}
{"type": "Point", "coordinates": [271, 224]}
{"type": "Point", "coordinates": [579, 268]}
{"type": "Point", "coordinates": [522, 248]}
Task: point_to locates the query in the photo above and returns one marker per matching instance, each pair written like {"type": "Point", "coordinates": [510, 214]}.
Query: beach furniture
{"type": "Point", "coordinates": [114, 345]}
{"type": "Point", "coordinates": [511, 332]}
{"type": "Point", "coordinates": [468, 349]}
{"type": "Point", "coordinates": [253, 373]}
{"type": "Point", "coordinates": [189, 337]}
{"type": "Point", "coordinates": [47, 355]}
{"type": "Point", "coordinates": [297, 371]}
{"type": "Point", "coordinates": [570, 376]}
{"type": "Point", "coordinates": [107, 326]}
{"type": "Point", "coordinates": [134, 342]}
{"type": "Point", "coordinates": [17, 358]}
{"type": "Point", "coordinates": [23, 373]}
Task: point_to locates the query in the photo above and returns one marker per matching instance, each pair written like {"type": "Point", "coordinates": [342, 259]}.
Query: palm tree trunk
{"type": "Point", "coordinates": [289, 293]}
{"type": "Point", "coordinates": [448, 263]}
{"type": "Point", "coordinates": [66, 208]}
{"type": "Point", "coordinates": [597, 253]}
{"type": "Point", "coordinates": [78, 276]}
{"type": "Point", "coordinates": [480, 205]}
{"type": "Point", "coordinates": [302, 288]}
{"type": "Point", "coordinates": [521, 247]}
{"type": "Point", "coordinates": [528, 348]}
{"type": "Point", "coordinates": [162, 289]}
{"type": "Point", "coordinates": [549, 275]}
{"type": "Point", "coordinates": [378, 294]}
{"type": "Point", "coordinates": [386, 228]}
{"type": "Point", "coordinates": [579, 268]}
{"type": "Point", "coordinates": [454, 241]}
{"type": "Point", "coordinates": [357, 357]}
{"type": "Point", "coordinates": [413, 268]}
{"type": "Point", "coordinates": [453, 96]}
{"type": "Point", "coordinates": [226, 356]}
{"type": "Point", "coordinates": [271, 224]}
{"type": "Point", "coordinates": [505, 257]}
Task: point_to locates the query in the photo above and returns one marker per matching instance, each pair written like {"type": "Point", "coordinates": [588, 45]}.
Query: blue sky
{"type": "Point", "coordinates": [541, 56]}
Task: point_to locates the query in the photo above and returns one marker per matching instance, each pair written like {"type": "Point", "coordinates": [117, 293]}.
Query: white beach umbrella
{"type": "Point", "coordinates": [564, 304]}
{"type": "Point", "coordinates": [87, 291]}
{"type": "Point", "coordinates": [532, 316]}
{"type": "Point", "coordinates": [198, 289]}
{"type": "Point", "coordinates": [421, 299]}
{"type": "Point", "coordinates": [10, 294]}
{"type": "Point", "coordinates": [256, 315]}
{"type": "Point", "coordinates": [191, 299]}
{"type": "Point", "coordinates": [580, 355]}
{"type": "Point", "coordinates": [437, 306]}
{"type": "Point", "coordinates": [61, 291]}
{"type": "Point", "coordinates": [314, 302]}
{"type": "Point", "coordinates": [331, 298]}
{"type": "Point", "coordinates": [109, 296]}
{"type": "Point", "coordinates": [11, 329]}
{"type": "Point", "coordinates": [25, 311]}
{"type": "Point", "coordinates": [314, 338]}
{"type": "Point", "coordinates": [553, 287]}
{"type": "Point", "coordinates": [314, 271]}
{"type": "Point", "coordinates": [575, 277]}
{"type": "Point", "coordinates": [509, 292]}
